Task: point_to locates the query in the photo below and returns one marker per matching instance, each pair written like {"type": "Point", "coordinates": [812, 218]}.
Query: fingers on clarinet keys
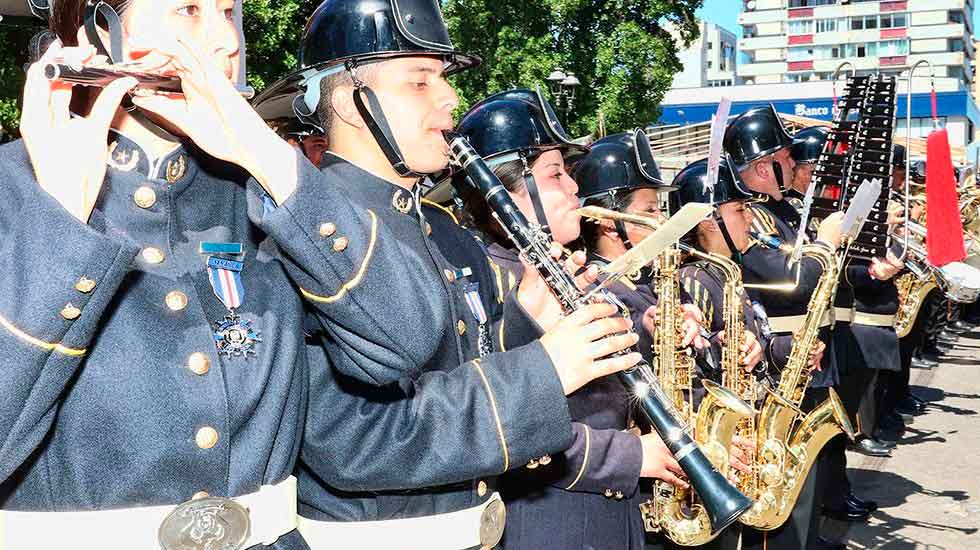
{"type": "Point", "coordinates": [581, 344]}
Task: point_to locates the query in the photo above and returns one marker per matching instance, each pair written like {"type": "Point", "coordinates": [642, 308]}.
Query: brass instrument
{"type": "Point", "coordinates": [785, 448]}
{"type": "Point", "coordinates": [677, 512]}
{"type": "Point", "coordinates": [912, 292]}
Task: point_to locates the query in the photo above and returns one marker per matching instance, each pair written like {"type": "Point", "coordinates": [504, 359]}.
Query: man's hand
{"type": "Point", "coordinates": [750, 347]}
{"type": "Point", "coordinates": [536, 297]}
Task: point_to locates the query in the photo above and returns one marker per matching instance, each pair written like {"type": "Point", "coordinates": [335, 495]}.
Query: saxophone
{"type": "Point", "coordinates": [912, 292]}
{"type": "Point", "coordinates": [784, 455]}
{"type": "Point", "coordinates": [677, 512]}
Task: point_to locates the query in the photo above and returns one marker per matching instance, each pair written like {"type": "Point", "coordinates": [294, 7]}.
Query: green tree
{"type": "Point", "coordinates": [621, 50]}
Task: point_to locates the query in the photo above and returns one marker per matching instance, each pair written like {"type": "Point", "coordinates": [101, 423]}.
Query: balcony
{"type": "Point", "coordinates": [801, 39]}
{"type": "Point", "coordinates": [894, 61]}
{"type": "Point", "coordinates": [893, 33]}
{"type": "Point", "coordinates": [893, 6]}
{"type": "Point", "coordinates": [800, 65]}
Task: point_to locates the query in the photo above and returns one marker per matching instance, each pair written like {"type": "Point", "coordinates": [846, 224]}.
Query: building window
{"type": "Point", "coordinates": [797, 77]}
{"type": "Point", "coordinates": [956, 44]}
{"type": "Point", "coordinates": [956, 16]}
{"type": "Point", "coordinates": [810, 3]}
{"type": "Point", "coordinates": [799, 54]}
{"type": "Point", "coordinates": [804, 26]}
{"type": "Point", "coordinates": [893, 21]}
{"type": "Point", "coordinates": [829, 25]}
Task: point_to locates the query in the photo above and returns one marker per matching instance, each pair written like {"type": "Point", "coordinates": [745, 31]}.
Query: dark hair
{"type": "Point", "coordinates": [475, 213]}
{"type": "Point", "coordinates": [591, 231]}
{"type": "Point", "coordinates": [366, 72]}
{"type": "Point", "coordinates": [67, 16]}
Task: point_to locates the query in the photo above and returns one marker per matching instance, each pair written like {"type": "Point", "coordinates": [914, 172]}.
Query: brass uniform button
{"type": "Point", "coordinates": [608, 493]}
{"type": "Point", "coordinates": [481, 488]}
{"type": "Point", "coordinates": [206, 437]}
{"type": "Point", "coordinates": [450, 276]}
{"type": "Point", "coordinates": [545, 460]}
{"type": "Point", "coordinates": [619, 495]}
{"type": "Point", "coordinates": [153, 255]}
{"type": "Point", "coordinates": [85, 285]}
{"type": "Point", "coordinates": [532, 465]}
{"type": "Point", "coordinates": [145, 197]}
{"type": "Point", "coordinates": [461, 327]}
{"type": "Point", "coordinates": [70, 312]}
{"type": "Point", "coordinates": [327, 229]}
{"type": "Point", "coordinates": [198, 363]}
{"type": "Point", "coordinates": [176, 300]}
{"type": "Point", "coordinates": [200, 494]}
{"type": "Point", "coordinates": [340, 244]}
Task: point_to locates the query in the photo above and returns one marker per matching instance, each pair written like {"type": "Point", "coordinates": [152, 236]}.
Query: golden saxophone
{"type": "Point", "coordinates": [785, 448]}
{"type": "Point", "coordinates": [676, 512]}
{"type": "Point", "coordinates": [912, 292]}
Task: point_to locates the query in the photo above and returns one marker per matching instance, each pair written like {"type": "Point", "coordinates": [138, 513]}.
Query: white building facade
{"type": "Point", "coordinates": [709, 61]}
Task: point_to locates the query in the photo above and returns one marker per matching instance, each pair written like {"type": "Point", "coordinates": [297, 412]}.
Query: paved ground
{"type": "Point", "coordinates": [929, 490]}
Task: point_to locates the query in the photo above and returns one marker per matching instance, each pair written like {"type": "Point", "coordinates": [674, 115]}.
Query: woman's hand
{"type": "Point", "coordinates": [68, 153]}
{"type": "Point", "coordinates": [738, 454]}
{"type": "Point", "coordinates": [213, 114]}
{"type": "Point", "coordinates": [750, 348]}
{"type": "Point", "coordinates": [659, 463]}
{"type": "Point", "coordinates": [580, 345]}
{"type": "Point", "coordinates": [816, 355]}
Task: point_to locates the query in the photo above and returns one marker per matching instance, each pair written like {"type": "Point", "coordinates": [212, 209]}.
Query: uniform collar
{"type": "Point", "coordinates": [371, 189]}
{"type": "Point", "coordinates": [127, 155]}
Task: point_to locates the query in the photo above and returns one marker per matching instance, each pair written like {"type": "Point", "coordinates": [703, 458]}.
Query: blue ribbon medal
{"type": "Point", "coordinates": [234, 336]}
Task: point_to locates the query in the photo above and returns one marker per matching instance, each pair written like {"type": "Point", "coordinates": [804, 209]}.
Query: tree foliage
{"type": "Point", "coordinates": [621, 50]}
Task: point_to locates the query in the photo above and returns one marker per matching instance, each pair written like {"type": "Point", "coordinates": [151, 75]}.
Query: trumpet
{"type": "Point", "coordinates": [102, 77]}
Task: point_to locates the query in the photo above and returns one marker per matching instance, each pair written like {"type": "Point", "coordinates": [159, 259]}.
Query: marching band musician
{"type": "Point", "coordinates": [727, 235]}
{"type": "Point", "coordinates": [163, 360]}
{"type": "Point", "coordinates": [837, 497]}
{"type": "Point", "coordinates": [408, 457]}
{"type": "Point", "coordinates": [586, 496]}
{"type": "Point", "coordinates": [759, 146]}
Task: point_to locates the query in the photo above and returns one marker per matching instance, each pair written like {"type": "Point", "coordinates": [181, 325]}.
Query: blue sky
{"type": "Point", "coordinates": [725, 13]}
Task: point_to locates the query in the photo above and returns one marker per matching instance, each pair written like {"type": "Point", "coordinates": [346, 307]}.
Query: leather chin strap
{"type": "Point", "coordinates": [532, 191]}
{"type": "Point", "coordinates": [777, 171]}
{"type": "Point", "coordinates": [736, 253]}
{"type": "Point", "coordinates": [94, 10]}
{"type": "Point", "coordinates": [378, 125]}
{"type": "Point", "coordinates": [621, 231]}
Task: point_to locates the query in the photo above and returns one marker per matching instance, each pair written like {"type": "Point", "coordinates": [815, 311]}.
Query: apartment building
{"type": "Point", "coordinates": [805, 40]}
{"type": "Point", "coordinates": [710, 60]}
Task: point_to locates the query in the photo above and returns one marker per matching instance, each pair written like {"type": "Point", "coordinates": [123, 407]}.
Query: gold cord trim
{"type": "Point", "coordinates": [445, 210]}
{"type": "Point", "coordinates": [585, 462]}
{"type": "Point", "coordinates": [496, 415]}
{"type": "Point", "coordinates": [358, 277]}
{"type": "Point", "coordinates": [57, 347]}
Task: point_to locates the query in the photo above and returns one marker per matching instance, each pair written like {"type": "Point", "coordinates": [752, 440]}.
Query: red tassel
{"type": "Point", "coordinates": [944, 230]}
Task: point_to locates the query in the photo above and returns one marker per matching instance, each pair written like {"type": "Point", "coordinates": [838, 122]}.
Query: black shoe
{"type": "Point", "coordinates": [916, 398]}
{"type": "Point", "coordinates": [823, 543]}
{"type": "Point", "coordinates": [923, 363]}
{"type": "Point", "coordinates": [959, 326]}
{"type": "Point", "coordinates": [910, 407]}
{"type": "Point", "coordinates": [931, 354]}
{"type": "Point", "coordinates": [848, 513]}
{"type": "Point", "coordinates": [868, 505]}
{"type": "Point", "coordinates": [870, 447]}
{"type": "Point", "coordinates": [892, 422]}
{"type": "Point", "coordinates": [947, 337]}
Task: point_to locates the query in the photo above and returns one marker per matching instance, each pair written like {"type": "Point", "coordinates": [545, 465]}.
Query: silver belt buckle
{"type": "Point", "coordinates": [211, 523]}
{"type": "Point", "coordinates": [492, 523]}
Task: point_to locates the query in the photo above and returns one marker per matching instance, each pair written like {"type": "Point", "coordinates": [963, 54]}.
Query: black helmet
{"type": "Point", "coordinates": [808, 143]}
{"type": "Point", "coordinates": [692, 185]}
{"type": "Point", "coordinates": [621, 162]}
{"type": "Point", "coordinates": [361, 30]}
{"type": "Point", "coordinates": [754, 134]}
{"type": "Point", "coordinates": [513, 125]}
{"type": "Point", "coordinates": [898, 156]}
{"type": "Point", "coordinates": [510, 124]}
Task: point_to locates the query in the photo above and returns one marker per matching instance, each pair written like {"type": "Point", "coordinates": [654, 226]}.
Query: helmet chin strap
{"type": "Point", "coordinates": [736, 253]}
{"type": "Point", "coordinates": [532, 191]}
{"type": "Point", "coordinates": [777, 171]}
{"type": "Point", "coordinates": [378, 125]}
{"type": "Point", "coordinates": [621, 231]}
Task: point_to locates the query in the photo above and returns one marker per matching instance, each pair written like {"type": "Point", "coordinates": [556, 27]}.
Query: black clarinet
{"type": "Point", "coordinates": [102, 77]}
{"type": "Point", "coordinates": [722, 501]}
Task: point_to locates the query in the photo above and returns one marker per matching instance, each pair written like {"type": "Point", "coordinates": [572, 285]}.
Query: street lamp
{"type": "Point", "coordinates": [562, 88]}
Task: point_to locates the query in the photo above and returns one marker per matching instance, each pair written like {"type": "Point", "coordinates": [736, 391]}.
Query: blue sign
{"type": "Point", "coordinates": [949, 104]}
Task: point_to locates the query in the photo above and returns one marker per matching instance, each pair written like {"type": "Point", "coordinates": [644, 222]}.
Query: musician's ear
{"type": "Point", "coordinates": [343, 107]}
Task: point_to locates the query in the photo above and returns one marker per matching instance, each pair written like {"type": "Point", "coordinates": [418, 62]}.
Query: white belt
{"type": "Point", "coordinates": [843, 315]}
{"type": "Point", "coordinates": [451, 531]}
{"type": "Point", "coordinates": [792, 323]}
{"type": "Point", "coordinates": [874, 319]}
{"type": "Point", "coordinates": [271, 514]}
